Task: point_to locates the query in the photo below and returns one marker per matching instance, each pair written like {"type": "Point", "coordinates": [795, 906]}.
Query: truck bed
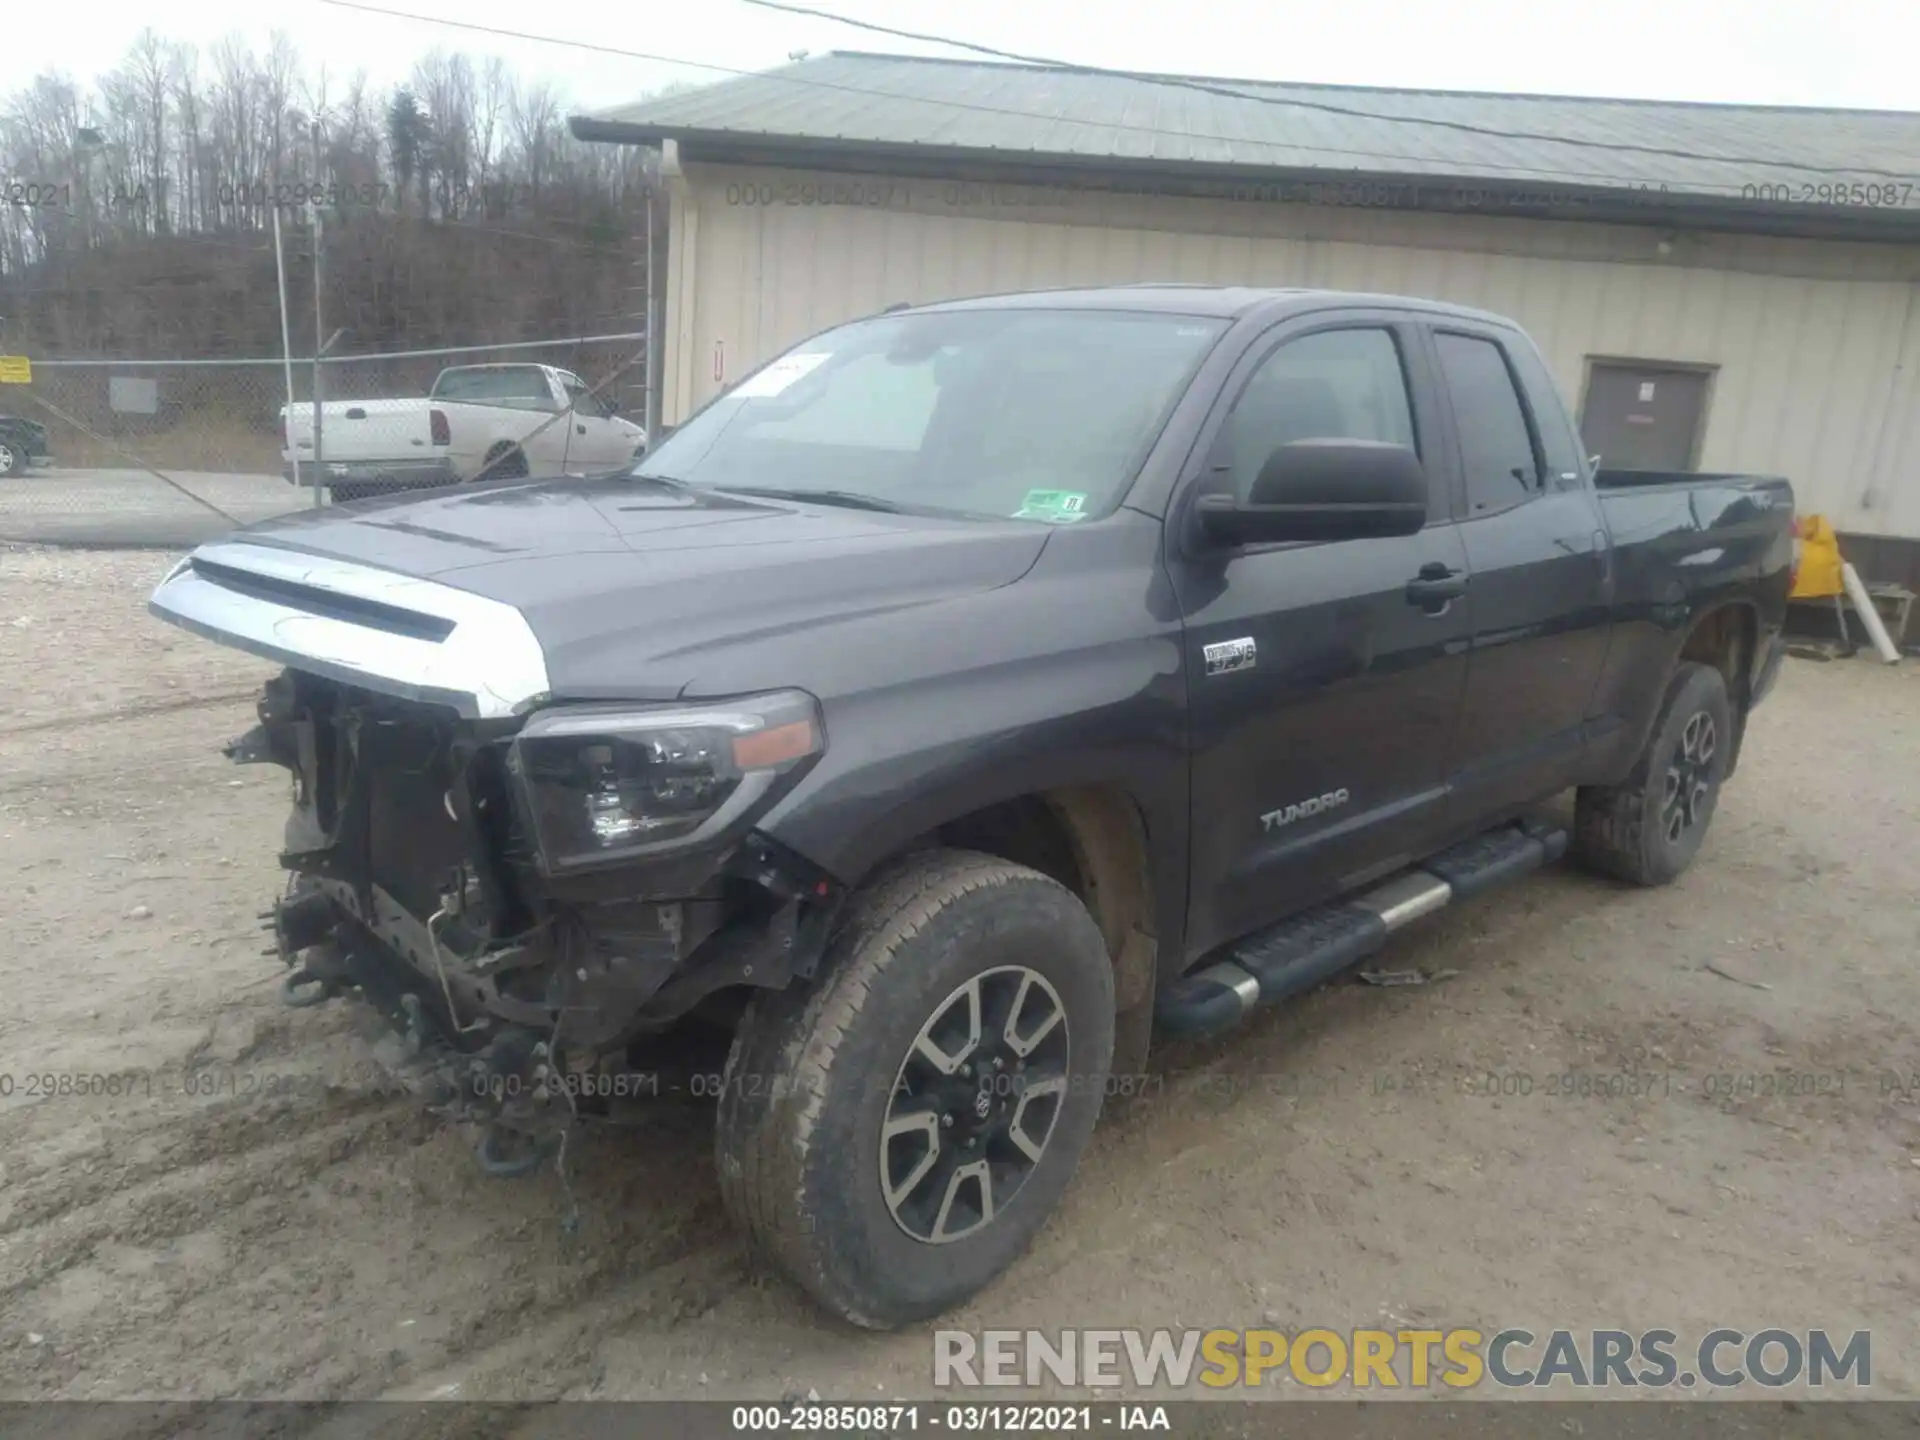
{"type": "Point", "coordinates": [1684, 545]}
{"type": "Point", "coordinates": [362, 429]}
{"type": "Point", "coordinates": [368, 446]}
{"type": "Point", "coordinates": [1685, 509]}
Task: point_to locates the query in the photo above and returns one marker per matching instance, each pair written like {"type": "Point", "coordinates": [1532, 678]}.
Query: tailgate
{"type": "Point", "coordinates": [362, 430]}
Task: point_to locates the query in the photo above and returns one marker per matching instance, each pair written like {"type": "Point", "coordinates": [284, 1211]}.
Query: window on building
{"type": "Point", "coordinates": [1645, 414]}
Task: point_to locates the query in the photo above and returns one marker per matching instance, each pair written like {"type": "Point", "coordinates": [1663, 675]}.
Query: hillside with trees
{"type": "Point", "coordinates": [456, 208]}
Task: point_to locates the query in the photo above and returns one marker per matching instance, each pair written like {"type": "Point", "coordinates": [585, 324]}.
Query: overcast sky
{"type": "Point", "coordinates": [1791, 52]}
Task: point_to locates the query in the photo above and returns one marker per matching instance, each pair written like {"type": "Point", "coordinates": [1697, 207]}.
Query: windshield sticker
{"type": "Point", "coordinates": [1058, 506]}
{"type": "Point", "coordinates": [778, 376]}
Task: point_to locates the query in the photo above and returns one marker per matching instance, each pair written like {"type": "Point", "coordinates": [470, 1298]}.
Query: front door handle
{"type": "Point", "coordinates": [581, 428]}
{"type": "Point", "coordinates": [1436, 587]}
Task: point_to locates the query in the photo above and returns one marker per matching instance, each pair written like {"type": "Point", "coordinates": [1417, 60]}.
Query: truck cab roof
{"type": "Point", "coordinates": [1226, 302]}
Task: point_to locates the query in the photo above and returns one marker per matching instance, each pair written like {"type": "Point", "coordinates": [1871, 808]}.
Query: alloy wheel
{"type": "Point", "coordinates": [974, 1103]}
{"type": "Point", "coordinates": [1690, 777]}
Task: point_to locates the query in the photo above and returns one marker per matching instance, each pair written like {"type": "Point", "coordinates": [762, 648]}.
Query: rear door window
{"type": "Point", "coordinates": [1496, 446]}
{"type": "Point", "coordinates": [1559, 445]}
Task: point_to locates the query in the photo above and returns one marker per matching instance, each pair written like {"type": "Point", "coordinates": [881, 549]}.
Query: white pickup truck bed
{"type": "Point", "coordinates": [479, 421]}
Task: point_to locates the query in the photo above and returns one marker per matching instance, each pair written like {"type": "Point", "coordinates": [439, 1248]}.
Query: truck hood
{"type": "Point", "coordinates": [608, 587]}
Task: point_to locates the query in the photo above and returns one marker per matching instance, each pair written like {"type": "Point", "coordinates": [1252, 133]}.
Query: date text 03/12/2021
{"type": "Point", "coordinates": [827, 1418]}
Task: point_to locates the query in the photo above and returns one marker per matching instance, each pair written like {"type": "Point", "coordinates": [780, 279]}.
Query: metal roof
{"type": "Point", "coordinates": [899, 106]}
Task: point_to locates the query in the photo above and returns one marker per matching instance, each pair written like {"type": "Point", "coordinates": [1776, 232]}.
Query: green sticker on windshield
{"type": "Point", "coordinates": [1058, 506]}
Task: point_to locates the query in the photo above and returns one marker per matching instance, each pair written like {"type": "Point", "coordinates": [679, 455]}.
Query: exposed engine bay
{"type": "Point", "coordinates": [530, 903]}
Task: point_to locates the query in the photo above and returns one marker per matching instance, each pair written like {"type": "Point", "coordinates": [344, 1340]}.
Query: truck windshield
{"type": "Point", "coordinates": [1033, 414]}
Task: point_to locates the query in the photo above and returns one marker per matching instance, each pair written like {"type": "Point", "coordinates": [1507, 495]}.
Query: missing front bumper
{"type": "Point", "coordinates": [490, 1074]}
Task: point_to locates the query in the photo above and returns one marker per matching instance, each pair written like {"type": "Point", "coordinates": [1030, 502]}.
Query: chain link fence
{"type": "Point", "coordinates": [160, 367]}
{"type": "Point", "coordinates": [171, 452]}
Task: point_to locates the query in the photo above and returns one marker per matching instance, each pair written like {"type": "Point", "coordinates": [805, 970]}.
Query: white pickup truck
{"type": "Point", "coordinates": [478, 422]}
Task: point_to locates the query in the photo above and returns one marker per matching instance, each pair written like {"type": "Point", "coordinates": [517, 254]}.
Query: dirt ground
{"type": "Point", "coordinates": [255, 1215]}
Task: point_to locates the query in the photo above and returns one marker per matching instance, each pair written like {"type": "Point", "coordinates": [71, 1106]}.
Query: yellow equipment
{"type": "Point", "coordinates": [1817, 574]}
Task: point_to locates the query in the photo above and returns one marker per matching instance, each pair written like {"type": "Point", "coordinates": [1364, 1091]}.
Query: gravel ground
{"type": "Point", "coordinates": [256, 1215]}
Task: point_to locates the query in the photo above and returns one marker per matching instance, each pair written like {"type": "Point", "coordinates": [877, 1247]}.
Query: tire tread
{"type": "Point", "coordinates": [1610, 827]}
{"type": "Point", "coordinates": [765, 1136]}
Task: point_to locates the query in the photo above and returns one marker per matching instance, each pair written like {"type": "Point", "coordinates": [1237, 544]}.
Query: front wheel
{"type": "Point", "coordinates": [895, 1134]}
{"type": "Point", "coordinates": [12, 461]}
{"type": "Point", "coordinates": [1647, 829]}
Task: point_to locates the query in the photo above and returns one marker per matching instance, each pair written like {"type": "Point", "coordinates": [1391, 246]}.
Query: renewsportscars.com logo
{"type": "Point", "coordinates": [1460, 1359]}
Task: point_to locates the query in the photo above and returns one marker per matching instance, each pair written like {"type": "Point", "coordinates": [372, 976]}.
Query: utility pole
{"type": "Point", "coordinates": [286, 338]}
{"type": "Point", "coordinates": [318, 350]}
{"type": "Point", "coordinates": [651, 418]}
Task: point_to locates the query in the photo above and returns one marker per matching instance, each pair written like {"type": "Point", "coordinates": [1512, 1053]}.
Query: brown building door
{"type": "Point", "coordinates": [1643, 416]}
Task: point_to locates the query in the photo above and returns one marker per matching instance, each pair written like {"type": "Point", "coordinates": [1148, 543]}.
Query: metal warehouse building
{"type": "Point", "coordinates": [1716, 287]}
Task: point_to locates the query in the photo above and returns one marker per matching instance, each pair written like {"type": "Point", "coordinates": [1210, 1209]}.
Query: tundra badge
{"type": "Point", "coordinates": [1229, 655]}
{"type": "Point", "coordinates": [1332, 800]}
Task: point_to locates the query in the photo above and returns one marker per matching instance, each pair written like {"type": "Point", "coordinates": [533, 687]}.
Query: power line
{"type": "Point", "coordinates": [1206, 87]}
{"type": "Point", "coordinates": [1508, 171]}
{"type": "Point", "coordinates": [542, 39]}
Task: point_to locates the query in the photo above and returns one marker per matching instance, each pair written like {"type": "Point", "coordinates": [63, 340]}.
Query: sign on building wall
{"type": "Point", "coordinates": [133, 395]}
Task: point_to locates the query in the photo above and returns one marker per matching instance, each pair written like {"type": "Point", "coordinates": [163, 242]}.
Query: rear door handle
{"type": "Point", "coordinates": [1436, 587]}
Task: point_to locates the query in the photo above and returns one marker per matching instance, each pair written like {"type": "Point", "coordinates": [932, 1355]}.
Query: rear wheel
{"type": "Point", "coordinates": [12, 461]}
{"type": "Point", "coordinates": [894, 1134]}
{"type": "Point", "coordinates": [504, 462]}
{"type": "Point", "coordinates": [1647, 829]}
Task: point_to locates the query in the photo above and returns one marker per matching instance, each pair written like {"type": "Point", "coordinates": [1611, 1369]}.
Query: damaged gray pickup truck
{"type": "Point", "coordinates": [963, 695]}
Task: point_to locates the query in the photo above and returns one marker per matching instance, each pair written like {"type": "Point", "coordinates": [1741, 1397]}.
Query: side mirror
{"type": "Point", "coordinates": [1324, 490]}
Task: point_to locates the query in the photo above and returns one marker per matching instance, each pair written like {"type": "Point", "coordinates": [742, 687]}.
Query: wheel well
{"type": "Point", "coordinates": [495, 460]}
{"type": "Point", "coordinates": [1726, 639]}
{"type": "Point", "coordinates": [1092, 840]}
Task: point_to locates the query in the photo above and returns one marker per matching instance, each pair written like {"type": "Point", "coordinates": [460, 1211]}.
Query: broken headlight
{"type": "Point", "coordinates": [602, 785]}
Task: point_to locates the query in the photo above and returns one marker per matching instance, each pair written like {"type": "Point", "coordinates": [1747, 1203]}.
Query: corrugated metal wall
{"type": "Point", "coordinates": [1817, 344]}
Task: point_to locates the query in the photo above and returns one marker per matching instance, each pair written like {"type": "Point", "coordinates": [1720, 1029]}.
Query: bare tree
{"type": "Point", "coordinates": [533, 115]}
{"type": "Point", "coordinates": [149, 240]}
{"type": "Point", "coordinates": [446, 83]}
{"type": "Point", "coordinates": [495, 86]}
{"type": "Point", "coordinates": [190, 164]}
